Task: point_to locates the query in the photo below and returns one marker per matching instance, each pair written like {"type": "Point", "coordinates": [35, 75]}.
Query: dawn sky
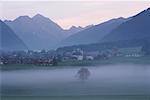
{"type": "Point", "coordinates": [68, 13]}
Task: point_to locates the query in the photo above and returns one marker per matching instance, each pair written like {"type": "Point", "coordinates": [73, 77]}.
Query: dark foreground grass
{"type": "Point", "coordinates": [114, 97]}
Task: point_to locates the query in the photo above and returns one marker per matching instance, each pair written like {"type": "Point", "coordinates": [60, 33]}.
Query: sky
{"type": "Point", "coordinates": [72, 12]}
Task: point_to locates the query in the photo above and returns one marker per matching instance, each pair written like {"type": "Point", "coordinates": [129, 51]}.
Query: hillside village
{"type": "Point", "coordinates": [52, 57]}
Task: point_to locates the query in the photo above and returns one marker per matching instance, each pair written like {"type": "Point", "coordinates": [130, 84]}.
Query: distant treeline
{"type": "Point", "coordinates": [109, 45]}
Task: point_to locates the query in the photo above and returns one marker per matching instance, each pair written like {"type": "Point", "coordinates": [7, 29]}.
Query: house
{"type": "Point", "coordinates": [89, 57]}
{"type": "Point", "coordinates": [77, 54]}
{"type": "Point", "coordinates": [131, 52]}
{"type": "Point", "coordinates": [1, 63]}
{"type": "Point", "coordinates": [92, 54]}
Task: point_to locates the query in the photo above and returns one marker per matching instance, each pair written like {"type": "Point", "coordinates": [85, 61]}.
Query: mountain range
{"type": "Point", "coordinates": [40, 32]}
{"type": "Point", "coordinates": [94, 33]}
{"type": "Point", "coordinates": [37, 32]}
{"type": "Point", "coordinates": [138, 27]}
{"type": "Point", "coordinates": [134, 31]}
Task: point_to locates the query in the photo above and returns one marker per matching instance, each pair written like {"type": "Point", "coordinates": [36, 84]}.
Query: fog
{"type": "Point", "coordinates": [103, 80]}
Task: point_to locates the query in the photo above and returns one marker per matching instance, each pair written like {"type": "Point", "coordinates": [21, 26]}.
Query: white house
{"type": "Point", "coordinates": [89, 58]}
{"type": "Point", "coordinates": [77, 54]}
{"type": "Point", "coordinates": [1, 63]}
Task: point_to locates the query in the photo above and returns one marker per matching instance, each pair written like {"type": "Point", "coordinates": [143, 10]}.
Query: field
{"type": "Point", "coordinates": [113, 79]}
{"type": "Point", "coordinates": [78, 98]}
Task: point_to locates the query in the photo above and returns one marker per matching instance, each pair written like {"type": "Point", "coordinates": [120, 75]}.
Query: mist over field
{"type": "Point", "coordinates": [103, 80]}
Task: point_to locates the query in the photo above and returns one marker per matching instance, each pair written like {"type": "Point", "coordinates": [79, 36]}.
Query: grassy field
{"type": "Point", "coordinates": [124, 84]}
{"type": "Point", "coordinates": [76, 98]}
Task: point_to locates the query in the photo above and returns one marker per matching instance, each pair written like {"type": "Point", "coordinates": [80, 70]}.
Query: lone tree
{"type": "Point", "coordinates": [83, 74]}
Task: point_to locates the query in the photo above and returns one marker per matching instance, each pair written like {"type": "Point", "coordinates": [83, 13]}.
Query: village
{"type": "Point", "coordinates": [52, 57]}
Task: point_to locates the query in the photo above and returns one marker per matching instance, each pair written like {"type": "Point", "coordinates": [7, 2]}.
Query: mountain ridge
{"type": "Point", "coordinates": [135, 28]}
{"type": "Point", "coordinates": [9, 40]}
{"type": "Point", "coordinates": [37, 32]}
{"type": "Point", "coordinates": [94, 33]}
